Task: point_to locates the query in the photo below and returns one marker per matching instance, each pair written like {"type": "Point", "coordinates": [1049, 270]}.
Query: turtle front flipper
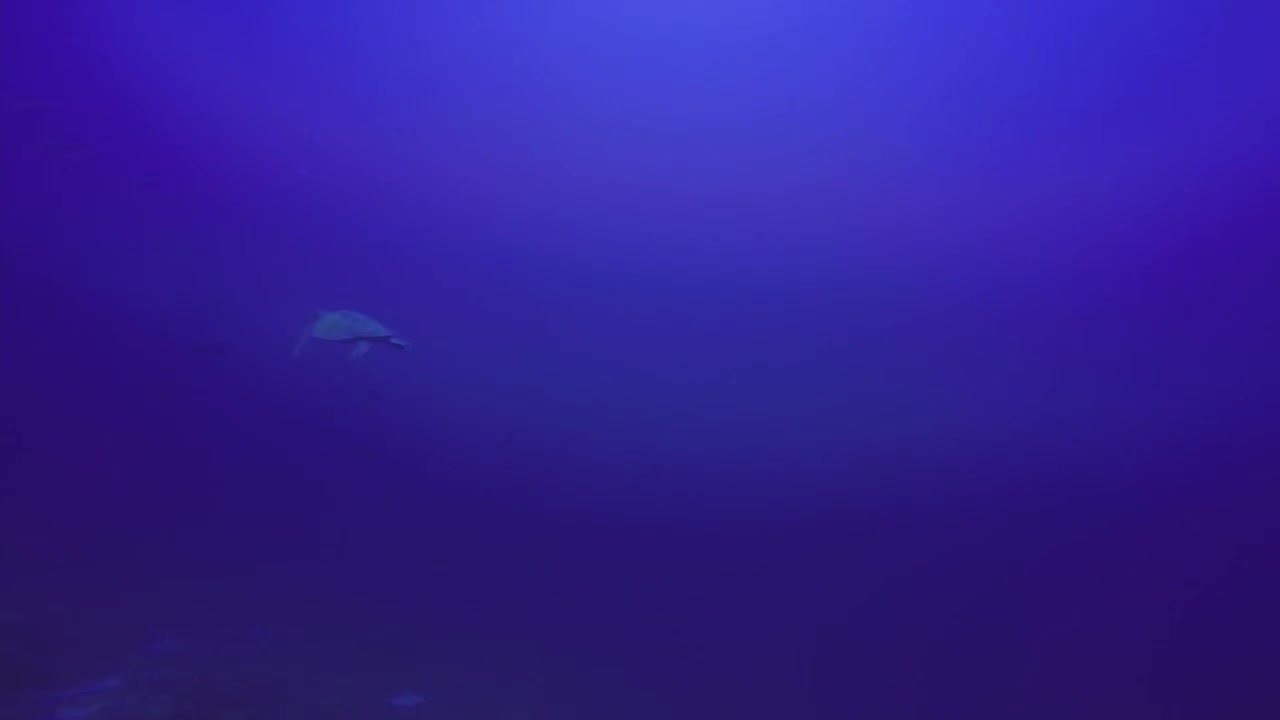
{"type": "Point", "coordinates": [362, 347]}
{"type": "Point", "coordinates": [302, 341]}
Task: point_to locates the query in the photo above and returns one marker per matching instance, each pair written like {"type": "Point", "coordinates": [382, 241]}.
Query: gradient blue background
{"type": "Point", "coordinates": [791, 360]}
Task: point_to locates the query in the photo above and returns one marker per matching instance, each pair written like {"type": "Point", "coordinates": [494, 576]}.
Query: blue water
{"type": "Point", "coordinates": [788, 360]}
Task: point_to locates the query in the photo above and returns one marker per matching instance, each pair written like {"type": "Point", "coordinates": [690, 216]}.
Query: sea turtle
{"type": "Point", "coordinates": [351, 327]}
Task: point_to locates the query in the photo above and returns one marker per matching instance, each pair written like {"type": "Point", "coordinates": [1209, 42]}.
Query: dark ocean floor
{"type": "Point", "coordinates": [251, 672]}
{"type": "Point", "coordinates": [238, 653]}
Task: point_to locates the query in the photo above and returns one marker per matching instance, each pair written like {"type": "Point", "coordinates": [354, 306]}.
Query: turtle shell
{"type": "Point", "coordinates": [347, 325]}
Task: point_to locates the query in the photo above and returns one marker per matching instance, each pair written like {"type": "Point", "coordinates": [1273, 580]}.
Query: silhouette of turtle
{"type": "Point", "coordinates": [348, 326]}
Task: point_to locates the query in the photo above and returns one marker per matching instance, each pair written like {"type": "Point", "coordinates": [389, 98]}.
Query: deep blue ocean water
{"type": "Point", "coordinates": [787, 360]}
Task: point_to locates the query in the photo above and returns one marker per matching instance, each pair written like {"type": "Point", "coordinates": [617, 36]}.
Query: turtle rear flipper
{"type": "Point", "coordinates": [398, 341]}
{"type": "Point", "coordinates": [362, 347]}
